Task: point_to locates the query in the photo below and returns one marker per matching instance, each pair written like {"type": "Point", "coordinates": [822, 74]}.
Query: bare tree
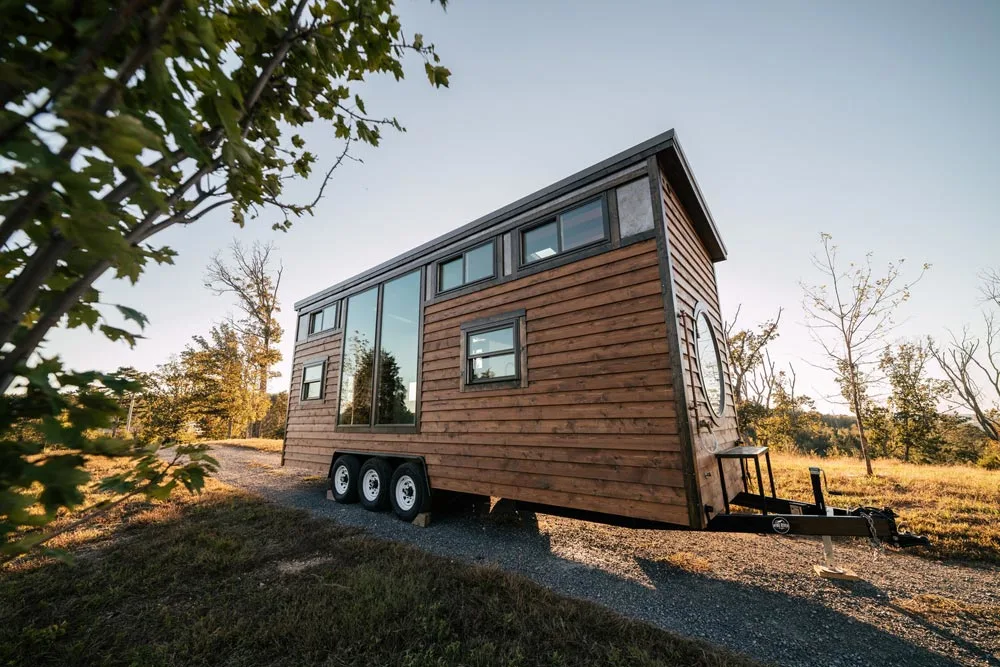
{"type": "Point", "coordinates": [849, 314]}
{"type": "Point", "coordinates": [254, 282]}
{"type": "Point", "coordinates": [746, 352]}
{"type": "Point", "coordinates": [972, 365]}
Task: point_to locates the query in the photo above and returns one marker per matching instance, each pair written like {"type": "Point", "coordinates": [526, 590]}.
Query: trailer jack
{"type": "Point", "coordinates": [793, 517]}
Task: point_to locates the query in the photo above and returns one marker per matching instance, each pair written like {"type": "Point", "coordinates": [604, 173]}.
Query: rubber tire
{"type": "Point", "coordinates": [415, 472]}
{"type": "Point", "coordinates": [353, 467]}
{"type": "Point", "coordinates": [384, 470]}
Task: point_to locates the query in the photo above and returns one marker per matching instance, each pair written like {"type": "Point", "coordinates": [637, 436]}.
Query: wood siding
{"type": "Point", "coordinates": [594, 429]}
{"type": "Point", "coordinates": [694, 283]}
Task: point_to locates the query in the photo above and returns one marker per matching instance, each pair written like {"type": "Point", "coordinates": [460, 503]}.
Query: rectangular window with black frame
{"type": "Point", "coordinates": [312, 380]}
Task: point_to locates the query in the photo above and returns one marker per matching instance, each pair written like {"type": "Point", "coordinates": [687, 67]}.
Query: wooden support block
{"type": "Point", "coordinates": [841, 573]}
{"type": "Point", "coordinates": [422, 520]}
{"type": "Point", "coordinates": [329, 494]}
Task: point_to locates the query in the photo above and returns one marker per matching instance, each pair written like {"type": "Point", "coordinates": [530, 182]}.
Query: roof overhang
{"type": "Point", "coordinates": [664, 146]}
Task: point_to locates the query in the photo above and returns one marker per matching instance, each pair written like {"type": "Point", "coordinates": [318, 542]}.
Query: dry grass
{"type": "Point", "coordinates": [958, 507]}
{"type": "Point", "coordinates": [689, 562]}
{"type": "Point", "coordinates": [225, 574]}
{"type": "Point", "coordinates": [939, 607]}
{"type": "Point", "coordinates": [262, 444]}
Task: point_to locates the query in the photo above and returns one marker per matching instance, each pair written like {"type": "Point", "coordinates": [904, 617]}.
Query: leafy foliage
{"type": "Point", "coordinates": [51, 426]}
{"type": "Point", "coordinates": [123, 118]}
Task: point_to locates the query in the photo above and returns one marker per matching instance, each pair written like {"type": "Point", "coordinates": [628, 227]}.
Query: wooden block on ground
{"type": "Point", "coordinates": [422, 520]}
{"type": "Point", "coordinates": [841, 573]}
{"type": "Point", "coordinates": [329, 494]}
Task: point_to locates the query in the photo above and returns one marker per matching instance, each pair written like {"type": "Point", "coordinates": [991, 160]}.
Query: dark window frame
{"type": "Point", "coordinates": [716, 412]}
{"type": "Point", "coordinates": [312, 363]}
{"type": "Point", "coordinates": [310, 317]}
{"type": "Point", "coordinates": [515, 320]}
{"type": "Point", "coordinates": [461, 255]}
{"type": "Point", "coordinates": [372, 426]}
{"type": "Point", "coordinates": [555, 218]}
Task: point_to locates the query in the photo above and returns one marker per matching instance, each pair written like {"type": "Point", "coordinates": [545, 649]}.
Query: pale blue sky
{"type": "Point", "coordinates": [875, 122]}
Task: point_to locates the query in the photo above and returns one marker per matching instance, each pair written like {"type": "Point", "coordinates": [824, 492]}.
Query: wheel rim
{"type": "Point", "coordinates": [341, 480]}
{"type": "Point", "coordinates": [370, 485]}
{"type": "Point", "coordinates": [406, 493]}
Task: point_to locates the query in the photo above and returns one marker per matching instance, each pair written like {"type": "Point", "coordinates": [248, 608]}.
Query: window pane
{"type": "Point", "coordinates": [303, 326]}
{"type": "Point", "coordinates": [492, 368]}
{"type": "Point", "coordinates": [330, 317]}
{"type": "Point", "coordinates": [491, 341]}
{"type": "Point", "coordinates": [397, 376]}
{"type": "Point", "coordinates": [582, 225]}
{"type": "Point", "coordinates": [316, 322]}
{"type": "Point", "coordinates": [311, 390]}
{"type": "Point", "coordinates": [359, 358]}
{"type": "Point", "coordinates": [635, 207]}
{"type": "Point", "coordinates": [708, 363]}
{"type": "Point", "coordinates": [540, 242]}
{"type": "Point", "coordinates": [479, 263]}
{"type": "Point", "coordinates": [313, 373]}
{"type": "Point", "coordinates": [450, 274]}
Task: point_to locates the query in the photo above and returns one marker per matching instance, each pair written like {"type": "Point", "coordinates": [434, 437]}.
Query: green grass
{"type": "Point", "coordinates": [957, 507]}
{"type": "Point", "coordinates": [230, 579]}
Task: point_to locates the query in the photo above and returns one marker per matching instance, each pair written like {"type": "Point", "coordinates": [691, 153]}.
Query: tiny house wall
{"type": "Point", "coordinates": [606, 412]}
{"type": "Point", "coordinates": [695, 290]}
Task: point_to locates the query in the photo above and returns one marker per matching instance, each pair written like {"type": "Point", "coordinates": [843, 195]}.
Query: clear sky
{"type": "Point", "coordinates": [876, 122]}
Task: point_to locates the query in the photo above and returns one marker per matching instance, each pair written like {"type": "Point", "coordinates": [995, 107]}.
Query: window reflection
{"type": "Point", "coordinates": [359, 358]}
{"type": "Point", "coordinates": [397, 389]}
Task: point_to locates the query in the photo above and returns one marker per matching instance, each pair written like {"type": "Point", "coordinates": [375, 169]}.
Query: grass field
{"type": "Point", "coordinates": [957, 507]}
{"type": "Point", "coordinates": [228, 578]}
{"type": "Point", "coordinates": [263, 444]}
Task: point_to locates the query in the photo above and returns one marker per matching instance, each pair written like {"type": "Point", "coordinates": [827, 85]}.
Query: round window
{"type": "Point", "coordinates": [710, 363]}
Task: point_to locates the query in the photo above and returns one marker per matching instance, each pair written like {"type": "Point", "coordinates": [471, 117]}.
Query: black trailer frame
{"type": "Point", "coordinates": [793, 517]}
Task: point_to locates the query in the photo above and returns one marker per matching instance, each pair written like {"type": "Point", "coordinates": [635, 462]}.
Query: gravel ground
{"type": "Point", "coordinates": [753, 594]}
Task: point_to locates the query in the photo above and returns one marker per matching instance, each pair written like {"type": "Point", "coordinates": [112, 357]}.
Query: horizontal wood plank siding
{"type": "Point", "coordinates": [694, 283]}
{"type": "Point", "coordinates": [595, 428]}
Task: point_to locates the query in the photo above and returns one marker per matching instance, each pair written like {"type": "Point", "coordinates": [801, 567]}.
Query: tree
{"type": "Point", "coordinates": [224, 375]}
{"type": "Point", "coordinates": [255, 286]}
{"type": "Point", "coordinates": [746, 351]}
{"type": "Point", "coordinates": [120, 119]}
{"type": "Point", "coordinates": [273, 424]}
{"type": "Point", "coordinates": [166, 409]}
{"type": "Point", "coordinates": [972, 365]}
{"type": "Point", "coordinates": [849, 315]}
{"type": "Point", "coordinates": [913, 400]}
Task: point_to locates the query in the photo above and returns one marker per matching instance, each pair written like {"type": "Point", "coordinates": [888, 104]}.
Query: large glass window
{"type": "Point", "coordinates": [359, 359]}
{"type": "Point", "coordinates": [491, 354]}
{"type": "Point", "coordinates": [398, 343]}
{"type": "Point", "coordinates": [471, 266]}
{"type": "Point", "coordinates": [575, 228]}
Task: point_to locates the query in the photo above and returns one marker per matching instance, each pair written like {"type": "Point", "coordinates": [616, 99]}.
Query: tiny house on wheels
{"type": "Point", "coordinates": [565, 352]}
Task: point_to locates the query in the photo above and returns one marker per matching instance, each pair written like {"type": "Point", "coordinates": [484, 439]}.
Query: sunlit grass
{"type": "Point", "coordinates": [957, 507]}
{"type": "Point", "coordinates": [263, 444]}
{"type": "Point", "coordinates": [228, 576]}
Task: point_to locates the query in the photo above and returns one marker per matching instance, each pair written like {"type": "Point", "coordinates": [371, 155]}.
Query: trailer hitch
{"type": "Point", "coordinates": [794, 517]}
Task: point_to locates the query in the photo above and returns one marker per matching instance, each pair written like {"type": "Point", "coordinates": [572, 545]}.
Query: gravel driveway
{"type": "Point", "coordinates": [754, 594]}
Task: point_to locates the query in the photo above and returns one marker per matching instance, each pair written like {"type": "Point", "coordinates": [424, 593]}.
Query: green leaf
{"type": "Point", "coordinates": [133, 315]}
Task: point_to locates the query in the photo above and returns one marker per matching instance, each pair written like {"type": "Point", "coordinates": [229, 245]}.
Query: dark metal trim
{"type": "Point", "coordinates": [665, 144]}
{"type": "Point", "coordinates": [802, 524]}
{"type": "Point", "coordinates": [553, 218]}
{"type": "Point", "coordinates": [310, 363]}
{"type": "Point", "coordinates": [691, 487]}
{"type": "Point", "coordinates": [638, 238]}
{"type": "Point", "coordinates": [492, 319]}
{"type": "Point", "coordinates": [515, 320]}
{"type": "Point", "coordinates": [436, 266]}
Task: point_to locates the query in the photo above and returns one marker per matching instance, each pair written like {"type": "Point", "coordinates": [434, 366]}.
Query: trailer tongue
{"type": "Point", "coordinates": [793, 517]}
